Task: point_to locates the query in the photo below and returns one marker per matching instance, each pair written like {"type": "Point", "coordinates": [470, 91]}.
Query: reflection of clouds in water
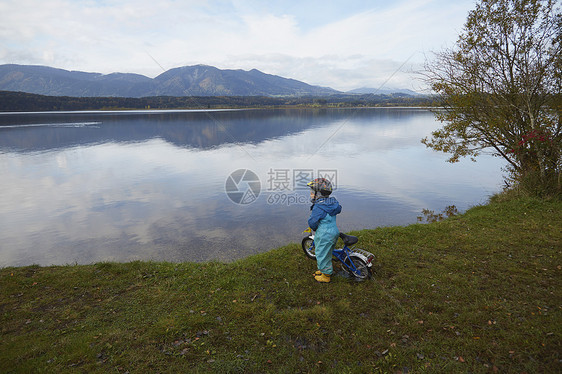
{"type": "Point", "coordinates": [155, 200]}
{"type": "Point", "coordinates": [105, 191]}
{"type": "Point", "coordinates": [349, 138]}
{"type": "Point", "coordinates": [385, 160]}
{"type": "Point", "coordinates": [121, 196]}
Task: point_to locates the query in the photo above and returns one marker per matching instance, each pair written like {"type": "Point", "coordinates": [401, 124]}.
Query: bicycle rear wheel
{"type": "Point", "coordinates": [308, 247]}
{"type": "Point", "coordinates": [362, 270]}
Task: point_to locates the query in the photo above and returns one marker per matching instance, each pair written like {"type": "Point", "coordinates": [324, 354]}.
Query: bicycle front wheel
{"type": "Point", "coordinates": [362, 271]}
{"type": "Point", "coordinates": [308, 247]}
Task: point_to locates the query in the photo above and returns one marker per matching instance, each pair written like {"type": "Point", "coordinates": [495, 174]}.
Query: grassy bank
{"type": "Point", "coordinates": [480, 292]}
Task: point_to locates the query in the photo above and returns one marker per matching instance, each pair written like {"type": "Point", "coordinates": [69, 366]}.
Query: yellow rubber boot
{"type": "Point", "coordinates": [318, 272]}
{"type": "Point", "coordinates": [323, 278]}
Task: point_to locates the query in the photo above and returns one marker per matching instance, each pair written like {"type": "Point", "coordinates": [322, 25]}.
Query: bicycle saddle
{"type": "Point", "coordinates": [348, 239]}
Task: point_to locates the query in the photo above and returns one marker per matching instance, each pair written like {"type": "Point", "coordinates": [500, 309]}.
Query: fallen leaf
{"type": "Point", "coordinates": [461, 359]}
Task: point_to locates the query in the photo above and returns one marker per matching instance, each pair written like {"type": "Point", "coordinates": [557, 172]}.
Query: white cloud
{"type": "Point", "coordinates": [346, 45]}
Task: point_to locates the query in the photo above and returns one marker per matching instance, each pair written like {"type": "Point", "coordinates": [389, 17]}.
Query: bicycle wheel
{"type": "Point", "coordinates": [308, 247]}
{"type": "Point", "coordinates": [363, 271]}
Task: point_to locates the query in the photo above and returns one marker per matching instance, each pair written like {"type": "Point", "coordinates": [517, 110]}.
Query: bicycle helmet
{"type": "Point", "coordinates": [321, 185]}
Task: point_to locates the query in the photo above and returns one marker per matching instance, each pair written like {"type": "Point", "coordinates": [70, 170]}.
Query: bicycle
{"type": "Point", "coordinates": [355, 261]}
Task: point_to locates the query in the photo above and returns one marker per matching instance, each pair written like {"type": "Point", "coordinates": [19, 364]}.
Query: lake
{"type": "Point", "coordinates": [84, 187]}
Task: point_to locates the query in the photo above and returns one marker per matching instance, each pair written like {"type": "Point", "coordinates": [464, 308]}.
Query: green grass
{"type": "Point", "coordinates": [479, 292]}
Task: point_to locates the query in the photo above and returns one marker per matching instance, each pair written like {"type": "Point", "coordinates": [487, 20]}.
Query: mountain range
{"type": "Point", "coordinates": [197, 80]}
{"type": "Point", "coordinates": [383, 91]}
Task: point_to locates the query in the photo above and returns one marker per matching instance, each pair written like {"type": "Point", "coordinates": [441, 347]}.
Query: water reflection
{"type": "Point", "coordinates": [124, 186]}
{"type": "Point", "coordinates": [197, 129]}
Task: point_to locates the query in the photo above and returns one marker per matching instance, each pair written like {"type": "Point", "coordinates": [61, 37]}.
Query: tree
{"type": "Point", "coordinates": [501, 88]}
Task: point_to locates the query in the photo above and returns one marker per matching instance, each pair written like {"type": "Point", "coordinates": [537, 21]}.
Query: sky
{"type": "Point", "coordinates": [343, 44]}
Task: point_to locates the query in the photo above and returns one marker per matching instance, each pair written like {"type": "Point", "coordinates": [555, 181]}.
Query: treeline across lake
{"type": "Point", "coordinates": [26, 102]}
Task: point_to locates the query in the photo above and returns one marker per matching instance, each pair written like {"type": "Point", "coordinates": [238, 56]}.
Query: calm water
{"type": "Point", "coordinates": [87, 187]}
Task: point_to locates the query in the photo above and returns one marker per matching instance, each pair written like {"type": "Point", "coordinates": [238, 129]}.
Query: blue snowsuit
{"type": "Point", "coordinates": [323, 221]}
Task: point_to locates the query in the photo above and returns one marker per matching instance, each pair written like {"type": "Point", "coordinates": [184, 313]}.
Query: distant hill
{"type": "Point", "coordinates": [11, 101]}
{"type": "Point", "coordinates": [383, 91]}
{"type": "Point", "coordinates": [198, 80]}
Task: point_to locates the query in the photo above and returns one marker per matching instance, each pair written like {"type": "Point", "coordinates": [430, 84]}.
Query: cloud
{"type": "Point", "coordinates": [346, 45]}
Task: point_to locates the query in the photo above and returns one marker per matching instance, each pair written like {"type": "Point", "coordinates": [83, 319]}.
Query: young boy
{"type": "Point", "coordinates": [323, 220]}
